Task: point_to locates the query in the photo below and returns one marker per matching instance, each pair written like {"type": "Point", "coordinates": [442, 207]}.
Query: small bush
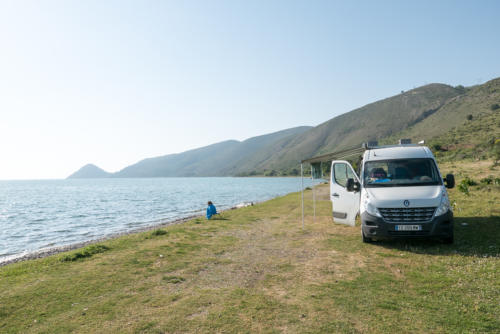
{"type": "Point", "coordinates": [174, 279]}
{"type": "Point", "coordinates": [465, 184]}
{"type": "Point", "coordinates": [85, 252]}
{"type": "Point", "coordinates": [469, 117]}
{"type": "Point", "coordinates": [437, 147]}
{"type": "Point", "coordinates": [271, 173]}
{"type": "Point", "coordinates": [462, 187]}
{"type": "Point", "coordinates": [495, 106]}
{"type": "Point", "coordinates": [486, 180]}
{"type": "Point", "coordinates": [460, 89]}
{"type": "Point", "coordinates": [468, 181]}
{"type": "Point", "coordinates": [158, 232]}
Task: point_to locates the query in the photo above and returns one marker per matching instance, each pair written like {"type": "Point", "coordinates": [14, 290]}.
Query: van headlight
{"type": "Point", "coordinates": [444, 207]}
{"type": "Point", "coordinates": [371, 209]}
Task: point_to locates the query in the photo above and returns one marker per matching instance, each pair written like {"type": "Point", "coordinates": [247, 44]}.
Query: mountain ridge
{"type": "Point", "coordinates": [425, 112]}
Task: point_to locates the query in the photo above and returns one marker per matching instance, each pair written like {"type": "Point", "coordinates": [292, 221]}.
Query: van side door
{"type": "Point", "coordinates": [345, 204]}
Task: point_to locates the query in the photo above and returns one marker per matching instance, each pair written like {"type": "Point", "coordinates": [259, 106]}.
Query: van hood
{"type": "Point", "coordinates": [394, 197]}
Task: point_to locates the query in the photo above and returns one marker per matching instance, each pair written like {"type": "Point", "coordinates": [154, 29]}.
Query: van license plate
{"type": "Point", "coordinates": [408, 227]}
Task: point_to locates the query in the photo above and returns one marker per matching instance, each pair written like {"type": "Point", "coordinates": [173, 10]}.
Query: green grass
{"type": "Point", "coordinates": [257, 270]}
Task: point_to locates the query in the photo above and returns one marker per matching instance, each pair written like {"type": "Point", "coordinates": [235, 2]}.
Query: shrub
{"type": "Point", "coordinates": [437, 147]}
{"type": "Point", "coordinates": [486, 180]}
{"type": "Point", "coordinates": [468, 181]}
{"type": "Point", "coordinates": [174, 279]}
{"type": "Point", "coordinates": [158, 232]}
{"type": "Point", "coordinates": [463, 188]}
{"type": "Point", "coordinates": [496, 151]}
{"type": "Point", "coordinates": [460, 88]}
{"type": "Point", "coordinates": [271, 173]}
{"type": "Point", "coordinates": [85, 252]}
{"type": "Point", "coordinates": [469, 117]}
{"type": "Point", "coordinates": [495, 106]}
{"type": "Point", "coordinates": [465, 184]}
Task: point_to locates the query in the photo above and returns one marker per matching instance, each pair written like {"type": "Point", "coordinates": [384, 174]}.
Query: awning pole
{"type": "Point", "coordinates": [302, 189]}
{"type": "Point", "coordinates": [314, 196]}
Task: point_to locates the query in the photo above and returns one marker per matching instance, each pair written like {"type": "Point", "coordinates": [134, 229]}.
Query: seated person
{"type": "Point", "coordinates": [211, 210]}
{"type": "Point", "coordinates": [378, 175]}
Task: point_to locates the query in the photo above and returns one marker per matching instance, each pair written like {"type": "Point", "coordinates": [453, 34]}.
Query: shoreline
{"type": "Point", "coordinates": [46, 252]}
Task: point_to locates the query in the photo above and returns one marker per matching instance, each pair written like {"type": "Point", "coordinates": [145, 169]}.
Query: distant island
{"type": "Point", "coordinates": [437, 112]}
{"type": "Point", "coordinates": [89, 171]}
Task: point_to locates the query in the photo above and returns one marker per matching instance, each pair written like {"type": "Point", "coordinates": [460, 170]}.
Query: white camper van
{"type": "Point", "coordinates": [399, 192]}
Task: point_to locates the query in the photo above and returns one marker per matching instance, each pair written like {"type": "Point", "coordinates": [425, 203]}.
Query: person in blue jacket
{"type": "Point", "coordinates": [211, 210]}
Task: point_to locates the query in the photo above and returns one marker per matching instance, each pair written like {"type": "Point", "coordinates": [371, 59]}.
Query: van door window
{"type": "Point", "coordinates": [342, 173]}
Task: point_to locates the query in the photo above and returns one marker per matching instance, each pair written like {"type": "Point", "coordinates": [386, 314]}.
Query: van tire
{"type": "Point", "coordinates": [366, 240]}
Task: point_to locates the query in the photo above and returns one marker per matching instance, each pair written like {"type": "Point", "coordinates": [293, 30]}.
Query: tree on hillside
{"type": "Point", "coordinates": [496, 151]}
{"type": "Point", "coordinates": [460, 89]}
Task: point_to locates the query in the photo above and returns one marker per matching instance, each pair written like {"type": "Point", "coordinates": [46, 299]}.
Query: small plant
{"type": "Point", "coordinates": [465, 184]}
{"type": "Point", "coordinates": [437, 147]}
{"type": "Point", "coordinates": [174, 279]}
{"type": "Point", "coordinates": [469, 117]}
{"type": "Point", "coordinates": [495, 106]}
{"type": "Point", "coordinates": [462, 187]}
{"type": "Point", "coordinates": [158, 232]}
{"type": "Point", "coordinates": [468, 181]}
{"type": "Point", "coordinates": [496, 151]}
{"type": "Point", "coordinates": [460, 89]}
{"type": "Point", "coordinates": [486, 180]}
{"type": "Point", "coordinates": [85, 252]}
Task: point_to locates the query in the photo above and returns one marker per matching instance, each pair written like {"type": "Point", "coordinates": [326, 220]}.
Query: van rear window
{"type": "Point", "coordinates": [401, 173]}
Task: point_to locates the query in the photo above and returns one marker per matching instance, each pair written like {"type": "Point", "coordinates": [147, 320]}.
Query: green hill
{"type": "Point", "coordinates": [477, 138]}
{"type": "Point", "coordinates": [464, 122]}
{"type": "Point", "coordinates": [212, 160]}
{"type": "Point", "coordinates": [373, 121]}
{"type": "Point", "coordinates": [461, 122]}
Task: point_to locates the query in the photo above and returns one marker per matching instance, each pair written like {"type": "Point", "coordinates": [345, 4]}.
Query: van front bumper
{"type": "Point", "coordinates": [378, 228]}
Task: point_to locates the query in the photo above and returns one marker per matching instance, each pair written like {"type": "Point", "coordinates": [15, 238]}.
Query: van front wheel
{"type": "Point", "coordinates": [366, 240]}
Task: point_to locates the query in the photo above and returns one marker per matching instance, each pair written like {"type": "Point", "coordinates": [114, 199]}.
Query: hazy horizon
{"type": "Point", "coordinates": [114, 82]}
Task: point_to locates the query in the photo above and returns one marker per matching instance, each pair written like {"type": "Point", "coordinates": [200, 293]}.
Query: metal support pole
{"type": "Point", "coordinates": [314, 196]}
{"type": "Point", "coordinates": [302, 189]}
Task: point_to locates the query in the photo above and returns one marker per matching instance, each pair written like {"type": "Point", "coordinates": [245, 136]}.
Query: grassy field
{"type": "Point", "coordinates": [256, 270]}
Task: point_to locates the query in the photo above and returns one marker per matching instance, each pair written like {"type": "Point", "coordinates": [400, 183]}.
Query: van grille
{"type": "Point", "coordinates": [409, 233]}
{"type": "Point", "coordinates": [407, 215]}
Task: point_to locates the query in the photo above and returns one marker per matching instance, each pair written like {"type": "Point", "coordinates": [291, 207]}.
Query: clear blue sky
{"type": "Point", "coordinates": [113, 82]}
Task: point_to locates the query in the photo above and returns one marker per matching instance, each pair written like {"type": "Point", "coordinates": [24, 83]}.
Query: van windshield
{"type": "Point", "coordinates": [401, 173]}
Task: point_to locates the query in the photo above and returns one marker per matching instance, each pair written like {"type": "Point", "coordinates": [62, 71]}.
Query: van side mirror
{"type": "Point", "coordinates": [352, 185]}
{"type": "Point", "coordinates": [449, 181]}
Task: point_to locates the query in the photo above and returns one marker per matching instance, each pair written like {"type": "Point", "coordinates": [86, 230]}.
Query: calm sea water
{"type": "Point", "coordinates": [41, 214]}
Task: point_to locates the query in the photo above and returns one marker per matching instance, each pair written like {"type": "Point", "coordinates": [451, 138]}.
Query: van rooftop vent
{"type": "Point", "coordinates": [405, 141]}
{"type": "Point", "coordinates": [370, 144]}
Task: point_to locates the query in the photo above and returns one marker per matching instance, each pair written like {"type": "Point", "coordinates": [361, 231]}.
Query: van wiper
{"type": "Point", "coordinates": [413, 184]}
